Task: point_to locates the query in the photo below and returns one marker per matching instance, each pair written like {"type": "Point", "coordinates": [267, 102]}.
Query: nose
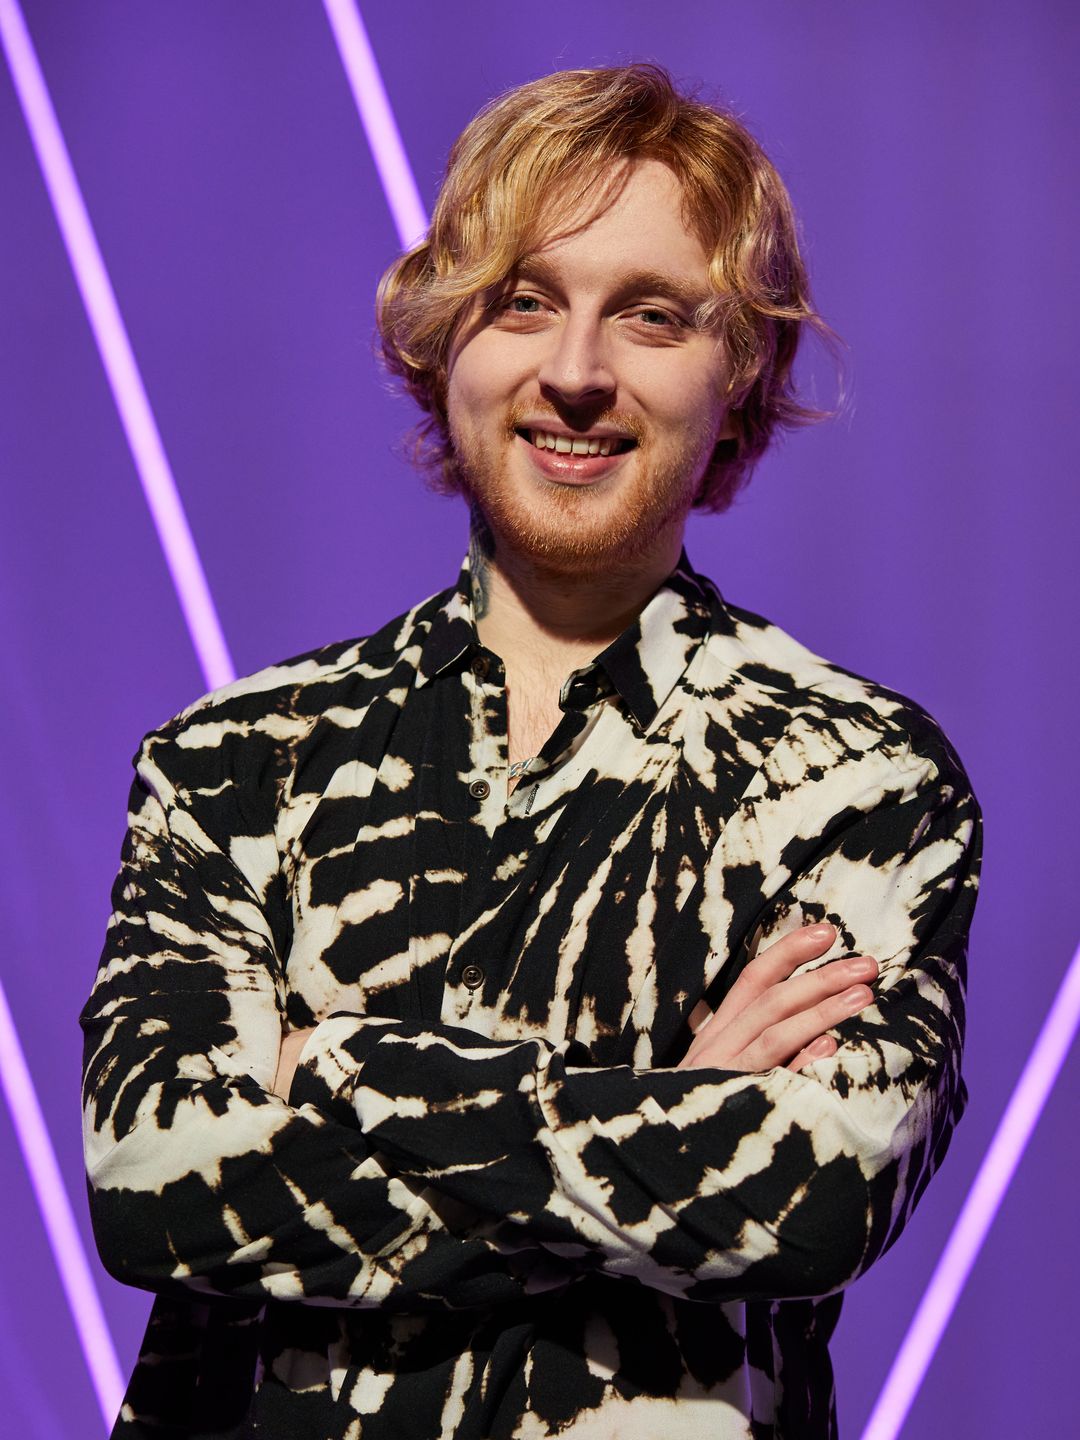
{"type": "Point", "coordinates": [576, 368]}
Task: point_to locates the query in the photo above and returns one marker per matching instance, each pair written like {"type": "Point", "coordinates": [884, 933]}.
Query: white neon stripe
{"type": "Point", "coordinates": [200, 616]}
{"type": "Point", "coordinates": [982, 1204]}
{"type": "Point", "coordinates": [378, 121]}
{"type": "Point", "coordinates": [63, 1233]}
{"type": "Point", "coordinates": [117, 357]}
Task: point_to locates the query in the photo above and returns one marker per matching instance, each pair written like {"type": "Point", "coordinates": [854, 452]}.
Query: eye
{"type": "Point", "coordinates": [656, 319]}
{"type": "Point", "coordinates": [521, 305]}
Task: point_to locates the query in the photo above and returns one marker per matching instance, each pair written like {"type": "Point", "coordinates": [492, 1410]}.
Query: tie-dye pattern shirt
{"type": "Point", "coordinates": [492, 1207]}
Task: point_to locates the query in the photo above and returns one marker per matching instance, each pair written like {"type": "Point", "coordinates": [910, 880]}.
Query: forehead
{"type": "Point", "coordinates": [641, 227]}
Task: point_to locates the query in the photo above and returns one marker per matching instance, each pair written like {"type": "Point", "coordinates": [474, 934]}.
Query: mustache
{"type": "Point", "coordinates": [584, 420]}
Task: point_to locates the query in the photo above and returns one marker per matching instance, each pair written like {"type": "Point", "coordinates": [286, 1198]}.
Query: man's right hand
{"type": "Point", "coordinates": [766, 1019]}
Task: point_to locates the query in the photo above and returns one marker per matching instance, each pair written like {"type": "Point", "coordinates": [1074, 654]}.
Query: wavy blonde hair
{"type": "Point", "coordinates": [539, 151]}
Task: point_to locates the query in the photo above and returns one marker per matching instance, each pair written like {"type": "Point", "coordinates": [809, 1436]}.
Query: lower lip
{"type": "Point", "coordinates": [572, 469]}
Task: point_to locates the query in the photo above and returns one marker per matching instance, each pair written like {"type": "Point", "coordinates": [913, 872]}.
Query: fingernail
{"type": "Point", "coordinates": [822, 931]}
{"type": "Point", "coordinates": [857, 997]}
{"type": "Point", "coordinates": [860, 965]}
{"type": "Point", "coordinates": [822, 1046]}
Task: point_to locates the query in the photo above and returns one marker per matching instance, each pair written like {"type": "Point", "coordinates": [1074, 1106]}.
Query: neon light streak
{"type": "Point", "coordinates": [117, 357]}
{"type": "Point", "coordinates": [982, 1204]}
{"type": "Point", "coordinates": [378, 121]}
{"type": "Point", "coordinates": [187, 574]}
{"type": "Point", "coordinates": [56, 1212]}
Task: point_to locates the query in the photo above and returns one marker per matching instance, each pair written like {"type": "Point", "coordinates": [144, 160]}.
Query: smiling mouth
{"type": "Point", "coordinates": [579, 444]}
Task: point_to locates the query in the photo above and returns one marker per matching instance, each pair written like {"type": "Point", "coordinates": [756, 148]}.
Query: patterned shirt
{"type": "Point", "coordinates": [492, 1207]}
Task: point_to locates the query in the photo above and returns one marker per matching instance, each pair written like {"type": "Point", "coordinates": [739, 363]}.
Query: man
{"type": "Point", "coordinates": [525, 1020]}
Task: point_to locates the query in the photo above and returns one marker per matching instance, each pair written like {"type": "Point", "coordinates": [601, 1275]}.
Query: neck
{"type": "Point", "coordinates": [530, 614]}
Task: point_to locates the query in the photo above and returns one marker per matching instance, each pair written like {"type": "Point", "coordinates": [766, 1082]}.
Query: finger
{"type": "Point", "coordinates": [819, 1049]}
{"type": "Point", "coordinates": [775, 963]}
{"type": "Point", "coordinates": [799, 997]}
{"type": "Point", "coordinates": [699, 1017]}
{"type": "Point", "coordinates": [788, 1038]}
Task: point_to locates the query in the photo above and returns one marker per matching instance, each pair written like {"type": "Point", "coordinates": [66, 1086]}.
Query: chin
{"type": "Point", "coordinates": [561, 534]}
{"type": "Point", "coordinates": [566, 529]}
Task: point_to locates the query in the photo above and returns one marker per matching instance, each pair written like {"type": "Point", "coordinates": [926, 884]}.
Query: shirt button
{"type": "Point", "coordinates": [480, 666]}
{"type": "Point", "coordinates": [472, 977]}
{"type": "Point", "coordinates": [479, 789]}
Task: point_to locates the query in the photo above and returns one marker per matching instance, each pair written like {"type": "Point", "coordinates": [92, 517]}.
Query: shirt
{"type": "Point", "coordinates": [492, 1207]}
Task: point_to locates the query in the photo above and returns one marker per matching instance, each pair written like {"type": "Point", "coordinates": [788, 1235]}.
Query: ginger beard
{"type": "Point", "coordinates": [604, 526]}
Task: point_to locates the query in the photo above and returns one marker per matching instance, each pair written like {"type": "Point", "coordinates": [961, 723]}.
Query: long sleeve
{"type": "Point", "coordinates": [200, 1178]}
{"type": "Point", "coordinates": [706, 1183]}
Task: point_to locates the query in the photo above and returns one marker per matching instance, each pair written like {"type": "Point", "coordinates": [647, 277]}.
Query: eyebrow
{"type": "Point", "coordinates": [623, 282]}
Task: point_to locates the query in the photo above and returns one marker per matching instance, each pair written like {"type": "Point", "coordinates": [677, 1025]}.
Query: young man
{"type": "Point", "coordinates": [487, 1041]}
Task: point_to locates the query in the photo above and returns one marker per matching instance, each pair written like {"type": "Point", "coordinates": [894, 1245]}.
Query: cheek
{"type": "Point", "coordinates": [690, 409]}
{"type": "Point", "coordinates": [684, 394]}
{"type": "Point", "coordinates": [458, 387]}
{"type": "Point", "coordinates": [464, 408]}
{"type": "Point", "coordinates": [482, 373]}
{"type": "Point", "coordinates": [465, 380]}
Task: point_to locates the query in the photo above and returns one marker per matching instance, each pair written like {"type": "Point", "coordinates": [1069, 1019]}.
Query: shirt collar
{"type": "Point", "coordinates": [452, 633]}
{"type": "Point", "coordinates": [643, 664]}
{"type": "Point", "coordinates": [648, 659]}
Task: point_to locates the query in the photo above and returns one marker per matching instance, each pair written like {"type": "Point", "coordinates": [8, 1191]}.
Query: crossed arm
{"type": "Point", "coordinates": [766, 1019]}
{"type": "Point", "coordinates": [392, 1177]}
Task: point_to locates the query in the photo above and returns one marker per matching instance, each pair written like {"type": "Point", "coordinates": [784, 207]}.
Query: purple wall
{"type": "Point", "coordinates": [928, 539]}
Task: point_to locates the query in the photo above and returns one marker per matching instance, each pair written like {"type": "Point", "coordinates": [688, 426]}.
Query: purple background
{"type": "Point", "coordinates": [928, 539]}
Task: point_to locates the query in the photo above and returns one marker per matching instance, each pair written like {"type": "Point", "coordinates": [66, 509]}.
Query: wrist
{"type": "Point", "coordinates": [292, 1043]}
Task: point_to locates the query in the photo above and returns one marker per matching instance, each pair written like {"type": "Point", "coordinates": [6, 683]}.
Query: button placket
{"type": "Point", "coordinates": [483, 679]}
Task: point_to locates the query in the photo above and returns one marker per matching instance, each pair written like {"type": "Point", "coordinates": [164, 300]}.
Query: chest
{"type": "Point", "coordinates": [418, 895]}
{"type": "Point", "coordinates": [532, 712]}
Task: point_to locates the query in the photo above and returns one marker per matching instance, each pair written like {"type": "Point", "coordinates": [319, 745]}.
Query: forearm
{"type": "Point", "coordinates": [704, 1184]}
{"type": "Point", "coordinates": [200, 1178]}
{"type": "Point", "coordinates": [221, 1188]}
{"type": "Point", "coordinates": [701, 1181]}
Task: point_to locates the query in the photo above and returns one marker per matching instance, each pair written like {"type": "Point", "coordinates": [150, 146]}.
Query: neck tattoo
{"type": "Point", "coordinates": [481, 549]}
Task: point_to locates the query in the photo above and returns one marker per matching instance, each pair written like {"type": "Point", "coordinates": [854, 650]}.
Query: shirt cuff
{"type": "Point", "coordinates": [328, 1066]}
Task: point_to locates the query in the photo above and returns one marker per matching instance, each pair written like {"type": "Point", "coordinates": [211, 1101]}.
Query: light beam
{"type": "Point", "coordinates": [203, 625]}
{"type": "Point", "coordinates": [115, 349]}
{"type": "Point", "coordinates": [378, 121]}
{"type": "Point", "coordinates": [60, 1227]}
{"type": "Point", "coordinates": [982, 1204]}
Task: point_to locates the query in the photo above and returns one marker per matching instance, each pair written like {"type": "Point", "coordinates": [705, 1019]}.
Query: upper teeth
{"type": "Point", "coordinates": [578, 446]}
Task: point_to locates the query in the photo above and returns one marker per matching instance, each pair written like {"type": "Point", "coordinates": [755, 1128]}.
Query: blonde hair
{"type": "Point", "coordinates": [546, 144]}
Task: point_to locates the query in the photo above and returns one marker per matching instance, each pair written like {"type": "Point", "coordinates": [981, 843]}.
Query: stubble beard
{"type": "Point", "coordinates": [562, 528]}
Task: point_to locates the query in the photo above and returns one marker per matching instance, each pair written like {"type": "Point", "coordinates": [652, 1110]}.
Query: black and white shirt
{"type": "Point", "coordinates": [491, 1207]}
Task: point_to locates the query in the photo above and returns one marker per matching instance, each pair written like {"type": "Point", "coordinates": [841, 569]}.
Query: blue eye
{"type": "Point", "coordinates": [517, 302]}
{"type": "Point", "coordinates": [650, 316]}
